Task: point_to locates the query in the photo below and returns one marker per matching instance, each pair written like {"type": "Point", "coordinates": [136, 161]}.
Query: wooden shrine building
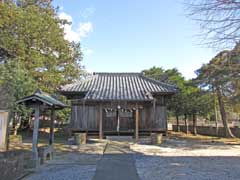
{"type": "Point", "coordinates": [118, 103]}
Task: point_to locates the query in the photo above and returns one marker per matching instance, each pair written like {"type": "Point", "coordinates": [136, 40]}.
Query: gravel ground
{"type": "Point", "coordinates": [184, 168]}
{"type": "Point", "coordinates": [71, 162]}
{"type": "Point", "coordinates": [175, 159]}
{"type": "Point", "coordinates": [64, 172]}
{"type": "Point", "coordinates": [182, 159]}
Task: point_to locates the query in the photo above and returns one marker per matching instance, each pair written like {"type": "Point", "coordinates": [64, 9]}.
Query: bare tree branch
{"type": "Point", "coordinates": [219, 21]}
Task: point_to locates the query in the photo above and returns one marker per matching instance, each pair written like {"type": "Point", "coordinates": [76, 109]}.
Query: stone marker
{"type": "Point", "coordinates": [156, 138]}
{"type": "Point", "coordinates": [45, 153]}
{"type": "Point", "coordinates": [80, 138]}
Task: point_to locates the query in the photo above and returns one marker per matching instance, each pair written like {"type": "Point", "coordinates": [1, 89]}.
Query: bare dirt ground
{"type": "Point", "coordinates": [189, 157]}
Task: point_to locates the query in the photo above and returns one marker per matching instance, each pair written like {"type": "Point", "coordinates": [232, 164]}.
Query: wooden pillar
{"type": "Point", "coordinates": [118, 119]}
{"type": "Point", "coordinates": [100, 122]}
{"type": "Point", "coordinates": [153, 114]}
{"type": "Point", "coordinates": [136, 124]}
{"type": "Point", "coordinates": [35, 132]}
{"type": "Point", "coordinates": [51, 134]}
{"type": "Point", "coordinates": [186, 122]}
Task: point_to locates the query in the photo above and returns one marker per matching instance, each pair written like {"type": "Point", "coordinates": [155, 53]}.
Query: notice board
{"type": "Point", "coordinates": [3, 128]}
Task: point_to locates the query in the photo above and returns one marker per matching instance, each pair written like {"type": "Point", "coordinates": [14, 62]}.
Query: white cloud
{"type": "Point", "coordinates": [82, 31]}
{"type": "Point", "coordinates": [85, 28]}
{"type": "Point", "coordinates": [65, 16]}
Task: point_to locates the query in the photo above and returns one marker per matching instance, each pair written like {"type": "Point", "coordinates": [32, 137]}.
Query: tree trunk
{"type": "Point", "coordinates": [194, 124]}
{"type": "Point", "coordinates": [228, 132]}
{"type": "Point", "coordinates": [186, 123]}
{"type": "Point", "coordinates": [14, 124]}
{"type": "Point", "coordinates": [216, 114]}
{"type": "Point", "coordinates": [178, 127]}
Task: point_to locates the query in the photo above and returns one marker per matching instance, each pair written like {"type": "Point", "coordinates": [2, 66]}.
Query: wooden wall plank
{"type": "Point", "coordinates": [88, 118]}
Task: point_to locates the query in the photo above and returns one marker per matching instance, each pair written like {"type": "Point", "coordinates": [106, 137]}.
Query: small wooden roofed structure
{"type": "Point", "coordinates": [39, 101]}
{"type": "Point", "coordinates": [92, 99]}
{"type": "Point", "coordinates": [43, 99]}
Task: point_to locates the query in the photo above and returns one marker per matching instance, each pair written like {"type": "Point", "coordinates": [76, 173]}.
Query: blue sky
{"type": "Point", "coordinates": [133, 35]}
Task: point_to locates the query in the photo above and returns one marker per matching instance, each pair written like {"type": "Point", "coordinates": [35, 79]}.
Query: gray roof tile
{"type": "Point", "coordinates": [119, 86]}
{"type": "Point", "coordinates": [44, 98]}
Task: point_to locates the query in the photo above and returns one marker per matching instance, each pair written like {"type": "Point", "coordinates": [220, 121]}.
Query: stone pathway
{"type": "Point", "coordinates": [117, 163]}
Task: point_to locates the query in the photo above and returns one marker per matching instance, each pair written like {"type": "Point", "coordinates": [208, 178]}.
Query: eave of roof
{"type": "Point", "coordinates": [44, 98]}
{"type": "Point", "coordinates": [119, 86]}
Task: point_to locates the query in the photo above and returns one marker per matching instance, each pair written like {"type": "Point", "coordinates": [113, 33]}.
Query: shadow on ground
{"type": "Point", "coordinates": [176, 159]}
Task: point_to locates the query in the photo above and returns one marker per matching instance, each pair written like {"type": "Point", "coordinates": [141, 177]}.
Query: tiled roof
{"type": "Point", "coordinates": [118, 86]}
{"type": "Point", "coordinates": [44, 98]}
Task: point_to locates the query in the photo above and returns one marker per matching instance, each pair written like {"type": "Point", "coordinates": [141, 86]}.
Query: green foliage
{"type": "Point", "coordinates": [31, 32]}
{"type": "Point", "coordinates": [14, 79]}
{"type": "Point", "coordinates": [221, 76]}
{"type": "Point", "coordinates": [222, 73]}
{"type": "Point", "coordinates": [17, 84]}
{"type": "Point", "coordinates": [33, 50]}
{"type": "Point", "coordinates": [190, 99]}
{"type": "Point", "coordinates": [154, 72]}
{"type": "Point", "coordinates": [64, 115]}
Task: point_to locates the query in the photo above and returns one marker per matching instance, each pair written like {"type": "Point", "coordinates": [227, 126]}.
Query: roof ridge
{"type": "Point", "coordinates": [117, 73]}
{"type": "Point", "coordinates": [119, 86]}
{"type": "Point", "coordinates": [77, 82]}
{"type": "Point", "coordinates": [159, 82]}
{"type": "Point", "coordinates": [43, 97]}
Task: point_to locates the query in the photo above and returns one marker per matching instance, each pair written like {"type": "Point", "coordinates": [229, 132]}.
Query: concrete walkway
{"type": "Point", "coordinates": [117, 163]}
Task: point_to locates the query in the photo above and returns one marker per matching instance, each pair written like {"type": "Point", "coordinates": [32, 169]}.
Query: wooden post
{"type": "Point", "coordinates": [153, 114]}
{"type": "Point", "coordinates": [35, 133]}
{"type": "Point", "coordinates": [178, 127]}
{"type": "Point", "coordinates": [186, 123]}
{"type": "Point", "coordinates": [118, 119]}
{"type": "Point", "coordinates": [100, 123]}
{"type": "Point", "coordinates": [51, 134]}
{"type": "Point", "coordinates": [216, 114]}
{"type": "Point", "coordinates": [136, 125]}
